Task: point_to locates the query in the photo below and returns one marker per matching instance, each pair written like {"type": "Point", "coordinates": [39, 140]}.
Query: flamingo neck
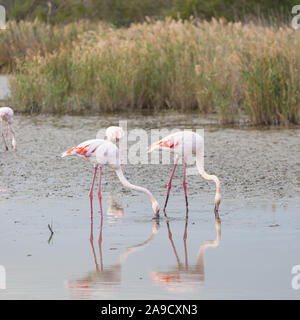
{"type": "Point", "coordinates": [200, 167]}
{"type": "Point", "coordinates": [129, 185]}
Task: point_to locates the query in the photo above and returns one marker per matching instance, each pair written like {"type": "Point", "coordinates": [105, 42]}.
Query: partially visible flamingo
{"type": "Point", "coordinates": [102, 152]}
{"type": "Point", "coordinates": [184, 144]}
{"type": "Point", "coordinates": [6, 114]}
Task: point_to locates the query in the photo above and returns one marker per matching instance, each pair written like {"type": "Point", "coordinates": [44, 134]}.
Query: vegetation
{"type": "Point", "coordinates": [124, 12]}
{"type": "Point", "coordinates": [225, 67]}
{"type": "Point", "coordinates": [26, 39]}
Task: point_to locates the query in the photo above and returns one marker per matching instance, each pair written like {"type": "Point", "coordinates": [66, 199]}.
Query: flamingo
{"type": "Point", "coordinates": [6, 114]}
{"type": "Point", "coordinates": [103, 152]}
{"type": "Point", "coordinates": [184, 144]}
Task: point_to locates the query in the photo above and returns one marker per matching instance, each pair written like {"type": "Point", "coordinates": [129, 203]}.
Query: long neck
{"type": "Point", "coordinates": [129, 185]}
{"type": "Point", "coordinates": [200, 167]}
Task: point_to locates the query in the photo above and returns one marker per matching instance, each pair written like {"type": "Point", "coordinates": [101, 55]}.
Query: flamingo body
{"type": "Point", "coordinates": [6, 114]}
{"type": "Point", "coordinates": [86, 150]}
{"type": "Point", "coordinates": [183, 144]}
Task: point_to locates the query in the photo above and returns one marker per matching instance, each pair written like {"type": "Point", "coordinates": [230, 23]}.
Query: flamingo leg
{"type": "Point", "coordinates": [2, 134]}
{"type": "Point", "coordinates": [13, 142]}
{"type": "Point", "coordinates": [91, 191]}
{"type": "Point", "coordinates": [184, 188]}
{"type": "Point", "coordinates": [169, 186]}
{"type": "Point", "coordinates": [99, 191]}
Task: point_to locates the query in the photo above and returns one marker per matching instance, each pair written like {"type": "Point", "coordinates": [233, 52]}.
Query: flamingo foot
{"type": "Point", "coordinates": [165, 213]}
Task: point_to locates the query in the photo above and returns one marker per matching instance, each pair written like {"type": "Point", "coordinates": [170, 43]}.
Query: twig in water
{"type": "Point", "coordinates": [52, 232]}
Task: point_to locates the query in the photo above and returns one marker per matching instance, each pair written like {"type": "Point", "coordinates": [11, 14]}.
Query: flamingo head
{"type": "Point", "coordinates": [114, 133]}
{"type": "Point", "coordinates": [217, 201]}
{"type": "Point", "coordinates": [156, 208]}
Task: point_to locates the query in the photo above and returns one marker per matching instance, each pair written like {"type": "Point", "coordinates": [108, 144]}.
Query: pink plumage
{"type": "Point", "coordinates": [6, 114]}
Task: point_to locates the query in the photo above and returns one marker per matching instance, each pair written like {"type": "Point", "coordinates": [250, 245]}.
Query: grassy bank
{"type": "Point", "coordinates": [226, 68]}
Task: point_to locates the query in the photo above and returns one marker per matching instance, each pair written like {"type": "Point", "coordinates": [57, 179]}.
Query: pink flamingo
{"type": "Point", "coordinates": [6, 114]}
{"type": "Point", "coordinates": [184, 144]}
{"type": "Point", "coordinates": [103, 152]}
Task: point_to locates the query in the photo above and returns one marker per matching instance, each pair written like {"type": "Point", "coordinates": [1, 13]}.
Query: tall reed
{"type": "Point", "coordinates": [226, 68]}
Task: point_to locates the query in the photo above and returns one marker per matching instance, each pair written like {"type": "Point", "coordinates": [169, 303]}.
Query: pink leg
{"type": "Point", "coordinates": [185, 193]}
{"type": "Point", "coordinates": [99, 191]}
{"type": "Point", "coordinates": [91, 190]}
{"type": "Point", "coordinates": [169, 186]}
{"type": "Point", "coordinates": [2, 134]}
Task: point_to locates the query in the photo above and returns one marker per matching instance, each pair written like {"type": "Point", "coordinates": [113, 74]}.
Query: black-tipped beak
{"type": "Point", "coordinates": [217, 212]}
{"type": "Point", "coordinates": [156, 215]}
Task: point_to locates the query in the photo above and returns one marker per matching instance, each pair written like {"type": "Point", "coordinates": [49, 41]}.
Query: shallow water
{"type": "Point", "coordinates": [250, 254]}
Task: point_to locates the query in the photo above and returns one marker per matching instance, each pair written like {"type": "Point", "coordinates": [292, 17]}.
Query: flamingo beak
{"type": "Point", "coordinates": [217, 211]}
{"type": "Point", "coordinates": [156, 215]}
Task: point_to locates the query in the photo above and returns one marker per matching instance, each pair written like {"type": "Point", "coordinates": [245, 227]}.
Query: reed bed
{"type": "Point", "coordinates": [226, 68]}
{"type": "Point", "coordinates": [26, 39]}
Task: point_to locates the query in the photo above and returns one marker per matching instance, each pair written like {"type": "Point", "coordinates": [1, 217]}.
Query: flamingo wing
{"type": "Point", "coordinates": [169, 143]}
{"type": "Point", "coordinates": [86, 148]}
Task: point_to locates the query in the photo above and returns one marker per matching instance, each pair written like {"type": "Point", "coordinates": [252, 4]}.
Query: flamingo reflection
{"type": "Point", "coordinates": [185, 277]}
{"type": "Point", "coordinates": [104, 281]}
{"type": "Point", "coordinates": [115, 210]}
